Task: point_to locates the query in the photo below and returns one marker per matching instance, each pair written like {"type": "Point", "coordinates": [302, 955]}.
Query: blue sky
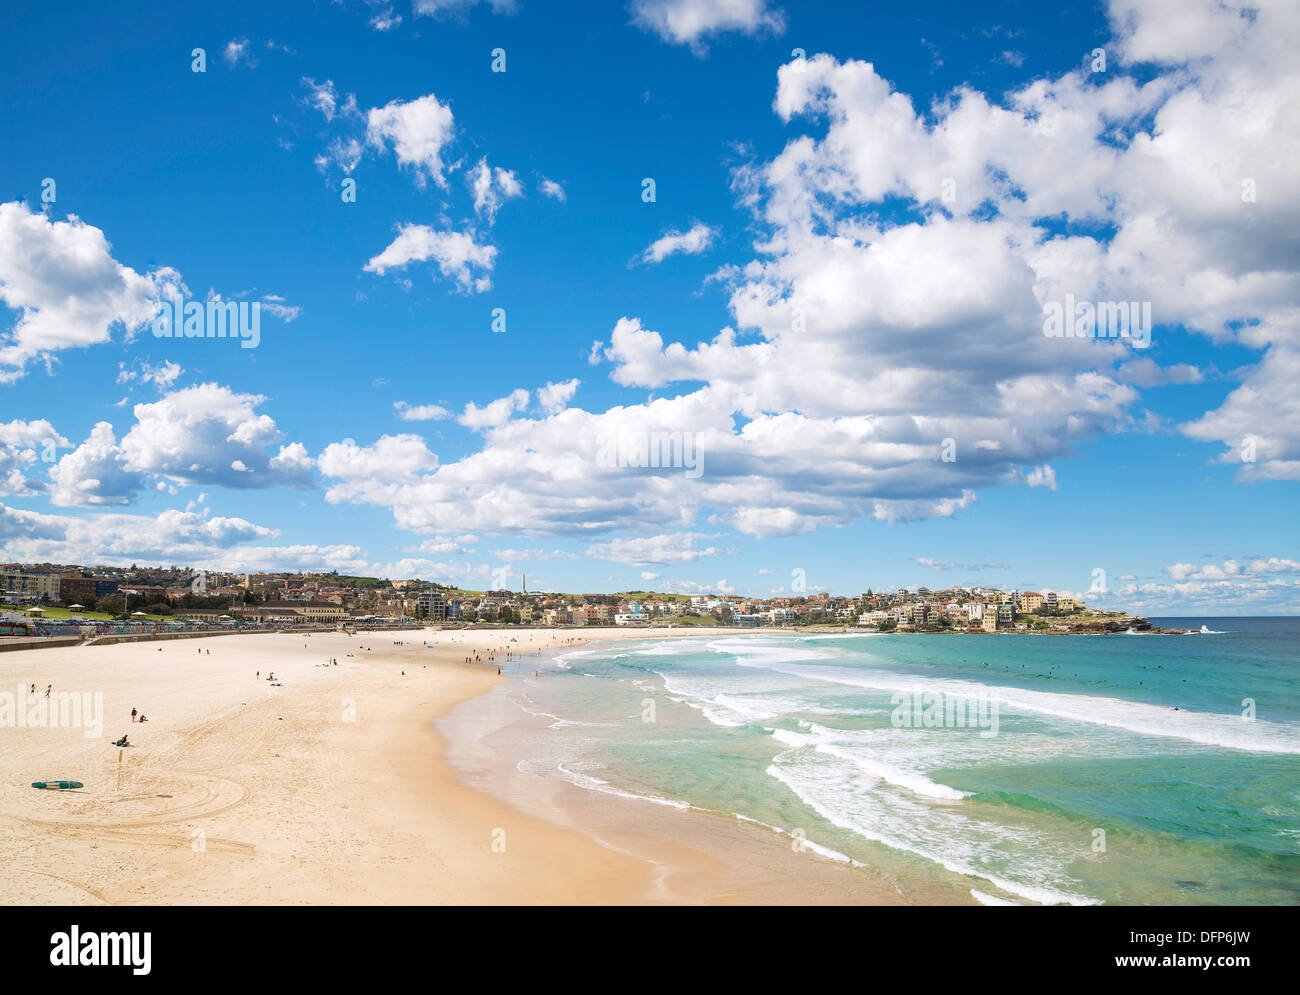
{"type": "Point", "coordinates": [874, 204]}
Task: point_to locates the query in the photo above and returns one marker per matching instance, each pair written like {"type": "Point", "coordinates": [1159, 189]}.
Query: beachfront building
{"type": "Point", "coordinates": [431, 605]}
{"type": "Point", "coordinates": [79, 587]}
{"type": "Point", "coordinates": [989, 621]}
{"type": "Point", "coordinates": [284, 615]}
{"type": "Point", "coordinates": [293, 611]}
{"type": "Point", "coordinates": [322, 611]}
{"type": "Point", "coordinates": [1006, 615]}
{"type": "Point", "coordinates": [203, 614]}
{"type": "Point", "coordinates": [18, 587]}
{"type": "Point", "coordinates": [1030, 602]}
{"type": "Point", "coordinates": [150, 592]}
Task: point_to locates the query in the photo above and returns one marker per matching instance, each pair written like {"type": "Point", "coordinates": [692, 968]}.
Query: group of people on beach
{"type": "Point", "coordinates": [48, 689]}
{"type": "Point", "coordinates": [136, 716]}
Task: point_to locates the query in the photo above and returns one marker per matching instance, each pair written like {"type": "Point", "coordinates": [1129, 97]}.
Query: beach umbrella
{"type": "Point", "coordinates": [138, 613]}
{"type": "Point", "coordinates": [76, 606]}
{"type": "Point", "coordinates": [36, 610]}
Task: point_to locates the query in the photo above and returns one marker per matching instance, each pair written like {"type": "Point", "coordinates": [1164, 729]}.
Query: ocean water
{"type": "Point", "coordinates": [1149, 769]}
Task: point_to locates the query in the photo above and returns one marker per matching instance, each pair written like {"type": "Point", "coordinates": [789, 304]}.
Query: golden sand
{"type": "Point", "coordinates": [330, 789]}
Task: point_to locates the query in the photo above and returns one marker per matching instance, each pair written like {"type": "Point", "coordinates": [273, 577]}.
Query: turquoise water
{"type": "Point", "coordinates": [1158, 769]}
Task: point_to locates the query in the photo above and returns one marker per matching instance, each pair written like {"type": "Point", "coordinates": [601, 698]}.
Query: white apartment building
{"type": "Point", "coordinates": [22, 588]}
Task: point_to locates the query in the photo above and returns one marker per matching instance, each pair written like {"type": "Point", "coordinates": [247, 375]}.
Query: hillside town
{"type": "Point", "coordinates": [179, 594]}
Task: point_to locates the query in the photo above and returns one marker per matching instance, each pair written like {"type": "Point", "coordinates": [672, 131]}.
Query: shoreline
{"type": "Point", "coordinates": [335, 788]}
{"type": "Point", "coordinates": [698, 855]}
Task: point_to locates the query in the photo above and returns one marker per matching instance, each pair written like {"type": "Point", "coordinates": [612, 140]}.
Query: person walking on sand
{"type": "Point", "coordinates": [48, 689]}
{"type": "Point", "coordinates": [133, 714]}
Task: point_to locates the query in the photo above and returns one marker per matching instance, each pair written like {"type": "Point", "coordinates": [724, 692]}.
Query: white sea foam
{"type": "Point", "coordinates": [562, 661]}
{"type": "Point", "coordinates": [604, 787]}
{"type": "Point", "coordinates": [730, 700]}
{"type": "Point", "coordinates": [817, 848]}
{"type": "Point", "coordinates": [719, 714]}
{"type": "Point", "coordinates": [1227, 731]}
{"type": "Point", "coordinates": [984, 899]}
{"type": "Point", "coordinates": [911, 780]}
{"type": "Point", "coordinates": [754, 651]}
{"type": "Point", "coordinates": [843, 635]}
{"type": "Point", "coordinates": [958, 844]}
{"type": "Point", "coordinates": [557, 721]}
{"type": "Point", "coordinates": [669, 647]}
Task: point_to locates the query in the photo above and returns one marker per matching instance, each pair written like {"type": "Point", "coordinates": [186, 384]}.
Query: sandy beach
{"type": "Point", "coordinates": [332, 788]}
